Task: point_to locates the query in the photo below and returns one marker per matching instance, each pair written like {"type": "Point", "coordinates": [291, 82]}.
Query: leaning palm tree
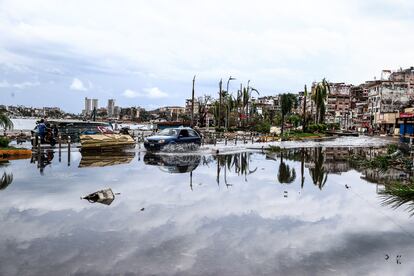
{"type": "Point", "coordinates": [5, 121]}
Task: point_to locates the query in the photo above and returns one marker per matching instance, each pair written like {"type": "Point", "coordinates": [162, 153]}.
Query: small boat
{"type": "Point", "coordinates": [105, 139]}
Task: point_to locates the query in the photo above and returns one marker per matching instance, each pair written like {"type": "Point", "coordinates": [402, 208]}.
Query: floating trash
{"type": "Point", "coordinates": [105, 196]}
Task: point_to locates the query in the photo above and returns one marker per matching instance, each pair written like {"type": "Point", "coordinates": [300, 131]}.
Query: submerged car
{"type": "Point", "coordinates": [172, 137]}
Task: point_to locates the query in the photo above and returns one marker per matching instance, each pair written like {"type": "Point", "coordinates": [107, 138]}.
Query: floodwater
{"type": "Point", "coordinates": [306, 211]}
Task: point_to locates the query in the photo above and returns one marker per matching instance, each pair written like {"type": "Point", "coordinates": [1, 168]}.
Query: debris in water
{"type": "Point", "coordinates": [105, 196]}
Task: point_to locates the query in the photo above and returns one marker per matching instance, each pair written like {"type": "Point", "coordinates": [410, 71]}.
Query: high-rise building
{"type": "Point", "coordinates": [111, 107]}
{"type": "Point", "coordinates": [95, 104]}
{"type": "Point", "coordinates": [88, 106]}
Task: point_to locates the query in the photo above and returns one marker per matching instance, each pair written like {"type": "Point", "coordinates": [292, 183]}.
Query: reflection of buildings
{"type": "Point", "coordinates": [323, 161]}
{"type": "Point", "coordinates": [391, 174]}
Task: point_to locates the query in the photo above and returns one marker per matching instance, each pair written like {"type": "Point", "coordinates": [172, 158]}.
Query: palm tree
{"type": "Point", "coordinates": [5, 121]}
{"type": "Point", "coordinates": [319, 94]}
{"type": "Point", "coordinates": [246, 98]}
{"type": "Point", "coordinates": [305, 94]}
{"type": "Point", "coordinates": [285, 175]}
{"type": "Point", "coordinates": [286, 102]}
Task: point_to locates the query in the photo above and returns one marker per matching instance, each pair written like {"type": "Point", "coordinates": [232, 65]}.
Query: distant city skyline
{"type": "Point", "coordinates": [149, 51]}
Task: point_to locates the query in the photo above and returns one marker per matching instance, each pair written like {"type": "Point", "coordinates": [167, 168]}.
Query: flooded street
{"type": "Point", "coordinates": [305, 211]}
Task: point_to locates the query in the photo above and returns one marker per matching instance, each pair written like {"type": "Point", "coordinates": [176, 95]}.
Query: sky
{"type": "Point", "coordinates": [145, 53]}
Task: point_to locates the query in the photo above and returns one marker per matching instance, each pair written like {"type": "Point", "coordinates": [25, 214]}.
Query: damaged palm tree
{"type": "Point", "coordinates": [397, 195]}
{"type": "Point", "coordinates": [105, 196]}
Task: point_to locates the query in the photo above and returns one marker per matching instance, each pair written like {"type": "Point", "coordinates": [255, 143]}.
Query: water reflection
{"type": "Point", "coordinates": [321, 162]}
{"type": "Point", "coordinates": [239, 163]}
{"type": "Point", "coordinates": [173, 163]}
{"type": "Point", "coordinates": [6, 180]}
{"type": "Point", "coordinates": [42, 159]}
{"type": "Point", "coordinates": [96, 159]}
{"type": "Point", "coordinates": [317, 171]}
{"type": "Point", "coordinates": [249, 225]}
{"type": "Point", "coordinates": [285, 174]}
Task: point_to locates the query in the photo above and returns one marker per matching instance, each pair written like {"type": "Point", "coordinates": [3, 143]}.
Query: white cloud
{"type": "Point", "coordinates": [130, 93]}
{"type": "Point", "coordinates": [22, 85]}
{"type": "Point", "coordinates": [150, 93]}
{"type": "Point", "coordinates": [78, 85]}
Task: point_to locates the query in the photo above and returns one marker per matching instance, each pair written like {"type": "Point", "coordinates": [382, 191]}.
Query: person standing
{"type": "Point", "coordinates": [41, 127]}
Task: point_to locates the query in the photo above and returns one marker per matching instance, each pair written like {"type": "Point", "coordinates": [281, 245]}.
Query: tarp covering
{"type": "Point", "coordinates": [96, 141]}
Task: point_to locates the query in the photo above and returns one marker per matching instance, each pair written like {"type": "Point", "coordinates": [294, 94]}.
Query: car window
{"type": "Point", "coordinates": [184, 133]}
{"type": "Point", "coordinates": [192, 133]}
{"type": "Point", "coordinates": [168, 132]}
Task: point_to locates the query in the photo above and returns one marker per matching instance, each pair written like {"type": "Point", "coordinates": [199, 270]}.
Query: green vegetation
{"type": "Point", "coordinates": [319, 95]}
{"type": "Point", "coordinates": [4, 142]}
{"type": "Point", "coordinates": [317, 128]}
{"type": "Point", "coordinates": [393, 158]}
{"type": "Point", "coordinates": [262, 127]}
{"type": "Point", "coordinates": [5, 121]}
{"type": "Point", "coordinates": [287, 101]}
{"type": "Point", "coordinates": [397, 194]}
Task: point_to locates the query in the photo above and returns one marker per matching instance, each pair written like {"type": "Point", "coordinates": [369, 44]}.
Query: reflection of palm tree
{"type": "Point", "coordinates": [6, 180]}
{"type": "Point", "coordinates": [302, 167]}
{"type": "Point", "coordinates": [285, 175]}
{"type": "Point", "coordinates": [240, 163]}
{"type": "Point", "coordinates": [318, 173]}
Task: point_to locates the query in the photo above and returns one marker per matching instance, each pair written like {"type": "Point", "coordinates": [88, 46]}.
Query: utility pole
{"type": "Point", "coordinates": [219, 109]}
{"type": "Point", "coordinates": [227, 104]}
{"type": "Point", "coordinates": [192, 104]}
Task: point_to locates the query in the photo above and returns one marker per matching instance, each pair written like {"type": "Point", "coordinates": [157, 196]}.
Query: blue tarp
{"type": "Point", "coordinates": [409, 129]}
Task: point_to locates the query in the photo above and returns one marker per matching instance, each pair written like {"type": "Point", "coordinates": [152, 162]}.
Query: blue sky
{"type": "Point", "coordinates": [145, 53]}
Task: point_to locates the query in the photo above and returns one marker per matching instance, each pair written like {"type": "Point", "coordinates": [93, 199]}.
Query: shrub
{"type": "Point", "coordinates": [219, 129]}
{"type": "Point", "coordinates": [4, 142]}
{"type": "Point", "coordinates": [317, 127]}
{"type": "Point", "coordinates": [262, 127]}
{"type": "Point", "coordinates": [333, 126]}
{"type": "Point", "coordinates": [392, 148]}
